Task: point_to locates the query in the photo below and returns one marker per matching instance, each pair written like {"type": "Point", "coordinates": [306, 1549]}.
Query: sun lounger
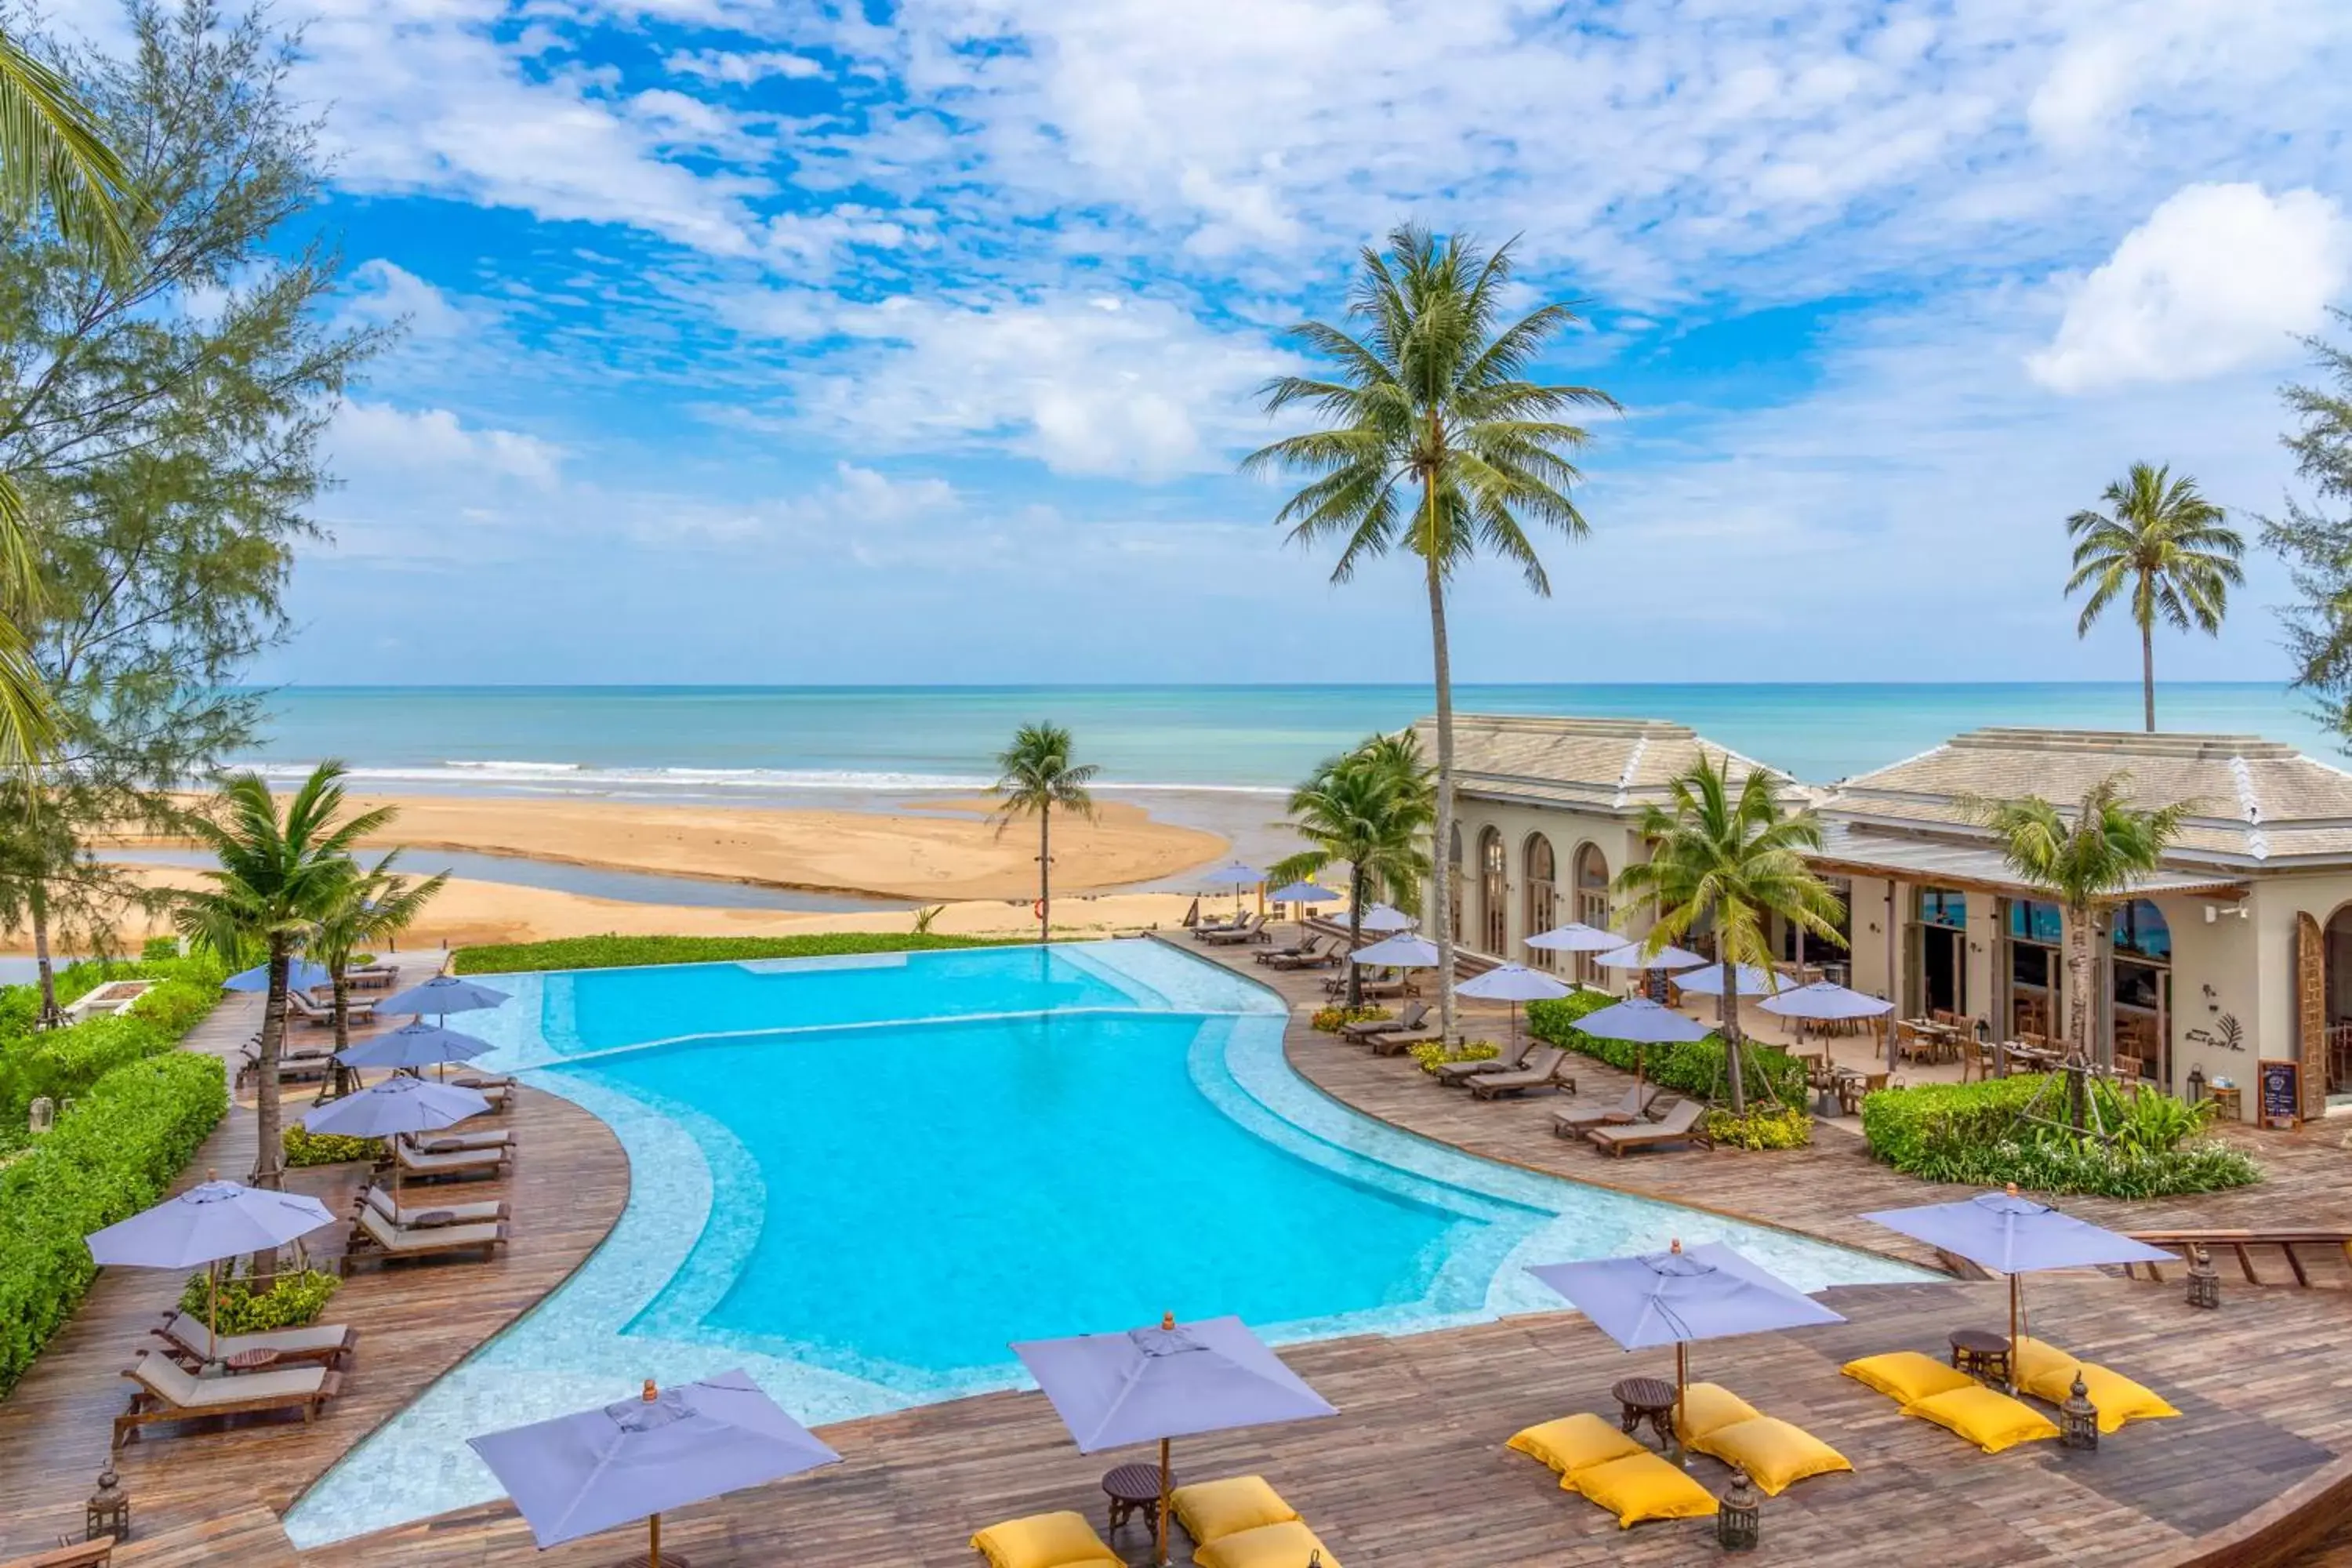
{"type": "Point", "coordinates": [99, 1554]}
{"type": "Point", "coordinates": [1214, 927]}
{"type": "Point", "coordinates": [450, 1143]}
{"type": "Point", "coordinates": [1397, 1041]}
{"type": "Point", "coordinates": [299, 1006]}
{"type": "Point", "coordinates": [407, 1218]}
{"type": "Point", "coordinates": [373, 1236]}
{"type": "Point", "coordinates": [323, 1344]}
{"type": "Point", "coordinates": [1313, 955]}
{"type": "Point", "coordinates": [1306, 943]}
{"type": "Point", "coordinates": [1454, 1075]}
{"type": "Point", "coordinates": [1680, 1125]}
{"type": "Point", "coordinates": [1406, 1022]}
{"type": "Point", "coordinates": [1579, 1119]}
{"type": "Point", "coordinates": [1541, 1072]}
{"type": "Point", "coordinates": [457, 1165]}
{"type": "Point", "coordinates": [164, 1391]}
{"type": "Point", "coordinates": [1250, 930]}
{"type": "Point", "coordinates": [373, 976]}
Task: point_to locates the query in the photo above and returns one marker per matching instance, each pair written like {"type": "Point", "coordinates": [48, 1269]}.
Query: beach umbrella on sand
{"type": "Point", "coordinates": [1383, 919]}
{"type": "Point", "coordinates": [211, 1221]}
{"type": "Point", "coordinates": [596, 1470]}
{"type": "Point", "coordinates": [1577, 937]}
{"type": "Point", "coordinates": [413, 1045]}
{"type": "Point", "coordinates": [1704, 1292]}
{"type": "Point", "coordinates": [1177, 1380]}
{"type": "Point", "coordinates": [442, 996]}
{"type": "Point", "coordinates": [2013, 1234]}
{"type": "Point", "coordinates": [1515, 984]}
{"type": "Point", "coordinates": [395, 1106]}
{"type": "Point", "coordinates": [1708, 982]}
{"type": "Point", "coordinates": [1234, 875]}
{"type": "Point", "coordinates": [1642, 1022]}
{"type": "Point", "coordinates": [301, 974]}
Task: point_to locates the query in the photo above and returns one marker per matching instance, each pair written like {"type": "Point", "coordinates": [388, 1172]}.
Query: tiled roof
{"type": "Point", "coordinates": [1604, 766]}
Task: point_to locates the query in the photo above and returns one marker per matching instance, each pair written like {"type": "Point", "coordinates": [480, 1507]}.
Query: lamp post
{"type": "Point", "coordinates": [1737, 1515]}
{"type": "Point", "coordinates": [2078, 1418]}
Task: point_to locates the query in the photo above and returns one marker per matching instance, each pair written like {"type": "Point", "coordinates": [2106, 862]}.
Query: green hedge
{"type": "Point", "coordinates": [1695, 1069]}
{"type": "Point", "coordinates": [1971, 1134]}
{"type": "Point", "coordinates": [304, 1147]}
{"type": "Point", "coordinates": [59, 1063]}
{"type": "Point", "coordinates": [621, 952]}
{"type": "Point", "coordinates": [119, 1151]}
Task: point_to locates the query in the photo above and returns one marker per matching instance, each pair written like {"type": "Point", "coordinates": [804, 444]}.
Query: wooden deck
{"type": "Point", "coordinates": [1411, 1471]}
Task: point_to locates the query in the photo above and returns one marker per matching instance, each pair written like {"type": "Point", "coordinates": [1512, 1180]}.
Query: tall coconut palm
{"type": "Point", "coordinates": [1733, 857]}
{"type": "Point", "coordinates": [1036, 778]}
{"type": "Point", "coordinates": [1371, 808]}
{"type": "Point", "coordinates": [1429, 395]}
{"type": "Point", "coordinates": [371, 905]}
{"type": "Point", "coordinates": [2162, 542]}
{"type": "Point", "coordinates": [50, 153]}
{"type": "Point", "coordinates": [281, 875]}
{"type": "Point", "coordinates": [2084, 861]}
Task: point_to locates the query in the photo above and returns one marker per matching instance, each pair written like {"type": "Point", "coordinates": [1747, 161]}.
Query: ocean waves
{"type": "Point", "coordinates": [465, 775]}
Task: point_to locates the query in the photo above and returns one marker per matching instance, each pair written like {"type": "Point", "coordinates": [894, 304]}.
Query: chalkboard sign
{"type": "Point", "coordinates": [2282, 1093]}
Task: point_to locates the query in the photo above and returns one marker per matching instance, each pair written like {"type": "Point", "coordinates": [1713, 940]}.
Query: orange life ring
{"type": "Point", "coordinates": [1038, 909]}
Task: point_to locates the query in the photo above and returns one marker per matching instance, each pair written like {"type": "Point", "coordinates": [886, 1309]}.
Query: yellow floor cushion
{"type": "Point", "coordinates": [1286, 1545]}
{"type": "Point", "coordinates": [1985, 1416]}
{"type": "Point", "coordinates": [2117, 1397]}
{"type": "Point", "coordinates": [1707, 1406]}
{"type": "Point", "coordinates": [2038, 1361]}
{"type": "Point", "coordinates": [1775, 1455]}
{"type": "Point", "coordinates": [1210, 1510]}
{"type": "Point", "coordinates": [1575, 1443]}
{"type": "Point", "coordinates": [1643, 1486]}
{"type": "Point", "coordinates": [1907, 1376]}
{"type": "Point", "coordinates": [1044, 1540]}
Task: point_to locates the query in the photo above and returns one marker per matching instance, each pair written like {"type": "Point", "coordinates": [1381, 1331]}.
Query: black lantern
{"type": "Point", "coordinates": [109, 1510]}
{"type": "Point", "coordinates": [2204, 1285]}
{"type": "Point", "coordinates": [2196, 1085]}
{"type": "Point", "coordinates": [1736, 1517]}
{"type": "Point", "coordinates": [2078, 1418]}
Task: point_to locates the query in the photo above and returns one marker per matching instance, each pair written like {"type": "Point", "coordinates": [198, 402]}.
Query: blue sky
{"type": "Point", "coordinates": [780, 342]}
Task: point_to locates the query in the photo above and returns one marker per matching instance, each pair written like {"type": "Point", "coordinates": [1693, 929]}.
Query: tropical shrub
{"type": "Point", "coordinates": [623, 952]}
{"type": "Point", "coordinates": [1331, 1019]}
{"type": "Point", "coordinates": [294, 1300]}
{"type": "Point", "coordinates": [63, 1063]}
{"type": "Point", "coordinates": [115, 1153]}
{"type": "Point", "coordinates": [1975, 1133]}
{"type": "Point", "coordinates": [1434, 1055]}
{"type": "Point", "coordinates": [304, 1147]}
{"type": "Point", "coordinates": [1763, 1126]}
{"type": "Point", "coordinates": [1696, 1069]}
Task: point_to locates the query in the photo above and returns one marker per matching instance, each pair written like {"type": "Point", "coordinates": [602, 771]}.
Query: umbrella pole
{"type": "Point", "coordinates": [1682, 1388]}
{"type": "Point", "coordinates": [2012, 1334]}
{"type": "Point", "coordinates": [1160, 1547]}
{"type": "Point", "coordinates": [653, 1556]}
{"type": "Point", "coordinates": [212, 1313]}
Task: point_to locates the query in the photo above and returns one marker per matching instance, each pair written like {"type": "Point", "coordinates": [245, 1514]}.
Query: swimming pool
{"type": "Point", "coordinates": [861, 1178]}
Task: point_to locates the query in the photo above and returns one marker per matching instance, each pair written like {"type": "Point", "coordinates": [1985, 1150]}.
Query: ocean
{"type": "Point", "coordinates": [836, 745]}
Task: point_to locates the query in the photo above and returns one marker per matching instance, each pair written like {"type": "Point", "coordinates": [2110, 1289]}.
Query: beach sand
{"type": "Point", "coordinates": [953, 855]}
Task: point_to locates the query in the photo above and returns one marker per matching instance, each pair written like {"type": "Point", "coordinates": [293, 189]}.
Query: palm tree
{"type": "Point", "coordinates": [2082, 861]}
{"type": "Point", "coordinates": [279, 877]}
{"type": "Point", "coordinates": [1734, 858]}
{"type": "Point", "coordinates": [1372, 808]}
{"type": "Point", "coordinates": [2162, 539]}
{"type": "Point", "coordinates": [373, 904]}
{"type": "Point", "coordinates": [1432, 395]}
{"type": "Point", "coordinates": [50, 153]}
{"type": "Point", "coordinates": [1036, 777]}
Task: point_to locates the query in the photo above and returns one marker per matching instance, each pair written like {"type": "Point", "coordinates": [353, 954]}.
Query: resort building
{"type": "Point", "coordinates": [2236, 953]}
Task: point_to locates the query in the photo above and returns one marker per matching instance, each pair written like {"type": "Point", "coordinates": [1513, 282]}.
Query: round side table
{"type": "Point", "coordinates": [1649, 1399]}
{"type": "Point", "coordinates": [1982, 1354]}
{"type": "Point", "coordinates": [1133, 1489]}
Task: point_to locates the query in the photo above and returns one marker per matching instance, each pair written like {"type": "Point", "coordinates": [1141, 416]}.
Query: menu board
{"type": "Point", "coordinates": [2282, 1093]}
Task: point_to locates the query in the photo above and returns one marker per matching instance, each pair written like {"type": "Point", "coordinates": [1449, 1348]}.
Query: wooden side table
{"type": "Point", "coordinates": [250, 1361]}
{"type": "Point", "coordinates": [1133, 1489]}
{"type": "Point", "coordinates": [1982, 1354]}
{"type": "Point", "coordinates": [1649, 1399]}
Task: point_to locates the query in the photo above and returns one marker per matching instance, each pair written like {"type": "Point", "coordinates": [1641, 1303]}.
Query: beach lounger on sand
{"type": "Point", "coordinates": [1680, 1125]}
{"type": "Point", "coordinates": [457, 1165]}
{"type": "Point", "coordinates": [1454, 1075]}
{"type": "Point", "coordinates": [164, 1391]}
{"type": "Point", "coordinates": [373, 1236]}
{"type": "Point", "coordinates": [1404, 1022]}
{"type": "Point", "coordinates": [1543, 1072]}
{"type": "Point", "coordinates": [324, 1345]}
{"type": "Point", "coordinates": [407, 1218]}
{"type": "Point", "coordinates": [1579, 1119]}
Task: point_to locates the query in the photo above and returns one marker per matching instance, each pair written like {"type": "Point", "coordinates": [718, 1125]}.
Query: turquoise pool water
{"type": "Point", "coordinates": [860, 1179]}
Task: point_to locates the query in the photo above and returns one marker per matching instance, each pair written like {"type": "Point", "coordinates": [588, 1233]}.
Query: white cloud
{"type": "Point", "coordinates": [432, 445]}
{"type": "Point", "coordinates": [382, 292]}
{"type": "Point", "coordinates": [741, 67]}
{"type": "Point", "coordinates": [2218, 277]}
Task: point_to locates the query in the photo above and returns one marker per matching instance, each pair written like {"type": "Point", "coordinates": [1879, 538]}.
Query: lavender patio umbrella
{"type": "Point", "coordinates": [1402, 951]}
{"type": "Point", "coordinates": [1642, 1022]}
{"type": "Point", "coordinates": [1708, 982]}
{"type": "Point", "coordinates": [2013, 1234]}
{"type": "Point", "coordinates": [413, 1045]}
{"type": "Point", "coordinates": [301, 974]}
{"type": "Point", "coordinates": [1704, 1292]}
{"type": "Point", "coordinates": [395, 1106]}
{"type": "Point", "coordinates": [211, 1221]}
{"type": "Point", "coordinates": [1384, 919]}
{"type": "Point", "coordinates": [442, 996]}
{"type": "Point", "coordinates": [1577, 937]}
{"type": "Point", "coordinates": [1302, 894]}
{"type": "Point", "coordinates": [1631, 956]}
{"type": "Point", "coordinates": [1174, 1381]}
{"type": "Point", "coordinates": [1824, 1001]}
{"type": "Point", "coordinates": [1515, 984]}
{"type": "Point", "coordinates": [617, 1464]}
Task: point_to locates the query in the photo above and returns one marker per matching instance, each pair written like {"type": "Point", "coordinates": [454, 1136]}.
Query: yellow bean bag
{"type": "Point", "coordinates": [1287, 1545]}
{"type": "Point", "coordinates": [1211, 1511]}
{"type": "Point", "coordinates": [1985, 1416]}
{"type": "Point", "coordinates": [1044, 1540]}
{"type": "Point", "coordinates": [1907, 1376]}
{"type": "Point", "coordinates": [2116, 1398]}
{"type": "Point", "coordinates": [1643, 1486]}
{"type": "Point", "coordinates": [1775, 1454]}
{"type": "Point", "coordinates": [1707, 1406]}
{"type": "Point", "coordinates": [1575, 1443]}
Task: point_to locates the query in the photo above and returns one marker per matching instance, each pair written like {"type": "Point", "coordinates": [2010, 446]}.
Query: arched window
{"type": "Point", "coordinates": [1493, 917]}
{"type": "Point", "coordinates": [1453, 885]}
{"type": "Point", "coordinates": [1543, 897]}
{"type": "Point", "coordinates": [1591, 898]}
